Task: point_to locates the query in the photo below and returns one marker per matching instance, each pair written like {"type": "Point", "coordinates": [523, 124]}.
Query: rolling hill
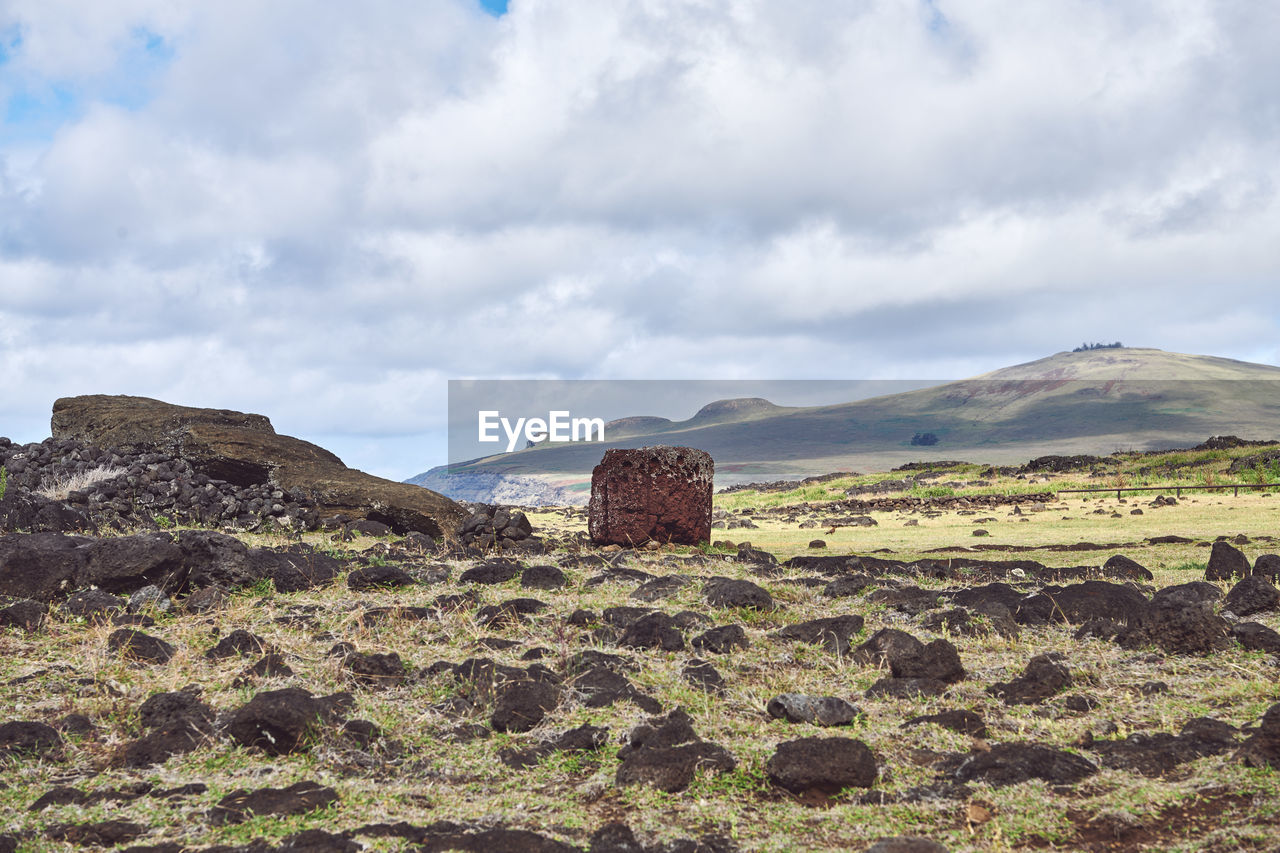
{"type": "Point", "coordinates": [1097, 401]}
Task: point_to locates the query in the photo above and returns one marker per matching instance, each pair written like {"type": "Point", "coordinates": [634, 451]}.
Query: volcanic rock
{"type": "Point", "coordinates": [1262, 749]}
{"type": "Point", "coordinates": [139, 646]}
{"type": "Point", "coordinates": [655, 493]}
{"type": "Point", "coordinates": [27, 737]}
{"type": "Point", "coordinates": [523, 705]}
{"type": "Point", "coordinates": [1256, 637]}
{"type": "Point", "coordinates": [665, 753]}
{"type": "Point", "coordinates": [245, 450]}
{"type": "Point", "coordinates": [832, 632]}
{"type": "Point", "coordinates": [298, 798]}
{"type": "Point", "coordinates": [727, 592]}
{"type": "Point", "coordinates": [1253, 594]}
{"type": "Point", "coordinates": [720, 640]}
{"type": "Point", "coordinates": [823, 765]}
{"type": "Point", "coordinates": [543, 577]}
{"type": "Point", "coordinates": [907, 657]}
{"type": "Point", "coordinates": [958, 720]}
{"type": "Point", "coordinates": [1226, 562]}
{"type": "Point", "coordinates": [1044, 676]}
{"type": "Point", "coordinates": [653, 631]}
{"type": "Point", "coordinates": [1011, 763]}
{"type": "Point", "coordinates": [378, 577]}
{"type": "Point", "coordinates": [819, 710]}
{"type": "Point", "coordinates": [279, 721]}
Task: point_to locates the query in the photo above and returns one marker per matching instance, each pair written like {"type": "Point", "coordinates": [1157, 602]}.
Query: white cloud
{"type": "Point", "coordinates": [321, 212]}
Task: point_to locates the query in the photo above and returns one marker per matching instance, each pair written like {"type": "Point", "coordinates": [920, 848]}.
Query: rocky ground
{"type": "Point", "coordinates": [348, 689]}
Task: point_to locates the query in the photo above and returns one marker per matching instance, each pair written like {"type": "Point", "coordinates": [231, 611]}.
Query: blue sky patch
{"type": "Point", "coordinates": [497, 8]}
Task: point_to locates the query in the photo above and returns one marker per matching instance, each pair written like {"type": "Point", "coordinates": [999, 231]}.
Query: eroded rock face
{"type": "Point", "coordinates": [244, 449]}
{"type": "Point", "coordinates": [655, 493]}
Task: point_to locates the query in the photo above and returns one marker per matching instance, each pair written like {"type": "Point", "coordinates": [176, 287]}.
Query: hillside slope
{"type": "Point", "coordinates": [1087, 402]}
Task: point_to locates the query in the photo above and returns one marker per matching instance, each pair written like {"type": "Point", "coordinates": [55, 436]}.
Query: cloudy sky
{"type": "Point", "coordinates": [324, 210]}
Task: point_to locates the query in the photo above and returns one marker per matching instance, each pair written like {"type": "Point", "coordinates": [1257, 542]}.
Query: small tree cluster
{"type": "Point", "coordinates": [924, 439]}
{"type": "Point", "coordinates": [1087, 347]}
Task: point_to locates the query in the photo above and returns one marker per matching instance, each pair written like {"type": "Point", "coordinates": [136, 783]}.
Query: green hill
{"type": "Point", "coordinates": [1096, 401]}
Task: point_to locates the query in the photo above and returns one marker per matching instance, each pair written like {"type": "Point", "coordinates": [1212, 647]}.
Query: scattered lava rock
{"type": "Point", "coordinates": [543, 577]}
{"type": "Point", "coordinates": [818, 710]}
{"type": "Point", "coordinates": [703, 675]}
{"type": "Point", "coordinates": [822, 765]}
{"type": "Point", "coordinates": [25, 737]}
{"type": "Point", "coordinates": [665, 752]}
{"type": "Point", "coordinates": [1226, 562]}
{"type": "Point", "coordinates": [1044, 676]}
{"type": "Point", "coordinates": [653, 631]}
{"type": "Point", "coordinates": [1262, 749]}
{"type": "Point", "coordinates": [1256, 637]}
{"type": "Point", "coordinates": [379, 577]}
{"type": "Point", "coordinates": [138, 646]}
{"type": "Point", "coordinates": [958, 720]}
{"type": "Point", "coordinates": [524, 705]}
{"type": "Point", "coordinates": [721, 640]}
{"type": "Point", "coordinates": [726, 592]}
{"type": "Point", "coordinates": [1152, 754]}
{"type": "Point", "coordinates": [492, 572]}
{"type": "Point", "coordinates": [238, 642]}
{"type": "Point", "coordinates": [1011, 763]}
{"type": "Point", "coordinates": [909, 658]}
{"type": "Point", "coordinates": [375, 669]}
{"type": "Point", "coordinates": [1123, 568]}
{"type": "Point", "coordinates": [581, 739]}
{"type": "Point", "coordinates": [281, 721]}
{"type": "Point", "coordinates": [1253, 594]}
{"type": "Point", "coordinates": [301, 797]}
{"type": "Point", "coordinates": [832, 632]}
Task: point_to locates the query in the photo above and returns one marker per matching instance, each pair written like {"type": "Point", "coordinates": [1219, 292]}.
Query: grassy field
{"type": "Point", "coordinates": [424, 770]}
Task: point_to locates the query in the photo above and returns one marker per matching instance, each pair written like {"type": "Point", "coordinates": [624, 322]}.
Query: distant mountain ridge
{"type": "Point", "coordinates": [1094, 401]}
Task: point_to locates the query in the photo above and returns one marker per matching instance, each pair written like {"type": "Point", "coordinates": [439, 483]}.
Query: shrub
{"type": "Point", "coordinates": [924, 439]}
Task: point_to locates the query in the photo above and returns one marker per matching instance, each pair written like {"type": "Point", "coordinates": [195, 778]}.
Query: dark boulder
{"type": "Point", "coordinates": [524, 705]}
{"type": "Point", "coordinates": [822, 765]}
{"type": "Point", "coordinates": [238, 642]}
{"type": "Point", "coordinates": [298, 798]}
{"type": "Point", "coordinates": [654, 493]}
{"type": "Point", "coordinates": [375, 670]}
{"type": "Point", "coordinates": [25, 737]}
{"type": "Point", "coordinates": [1226, 562]}
{"type": "Point", "coordinates": [653, 631]}
{"type": "Point", "coordinates": [727, 592]}
{"type": "Point", "coordinates": [665, 753]}
{"type": "Point", "coordinates": [907, 657]}
{"type": "Point", "coordinates": [1125, 569]}
{"type": "Point", "coordinates": [1253, 594]}
{"type": "Point", "coordinates": [282, 721]}
{"type": "Point", "coordinates": [1044, 676]}
{"type": "Point", "coordinates": [1011, 763]}
{"type": "Point", "coordinates": [378, 577]}
{"type": "Point", "coordinates": [24, 613]}
{"type": "Point", "coordinates": [833, 632]}
{"type": "Point", "coordinates": [1262, 749]}
{"type": "Point", "coordinates": [720, 640]}
{"type": "Point", "coordinates": [138, 646]}
{"type": "Point", "coordinates": [1256, 637]}
{"type": "Point", "coordinates": [1082, 602]}
{"type": "Point", "coordinates": [543, 577]}
{"type": "Point", "coordinates": [958, 720]}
